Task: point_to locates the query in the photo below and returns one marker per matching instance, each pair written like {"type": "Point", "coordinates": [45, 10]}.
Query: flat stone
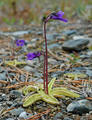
{"type": "Point", "coordinates": [58, 116]}
{"type": "Point", "coordinates": [10, 119]}
{"type": "Point", "coordinates": [23, 115]}
{"type": "Point", "coordinates": [69, 32]}
{"type": "Point", "coordinates": [80, 107]}
{"type": "Point", "coordinates": [75, 45]}
{"type": "Point", "coordinates": [17, 111]}
{"type": "Point", "coordinates": [29, 69]}
{"type": "Point", "coordinates": [3, 76]}
{"type": "Point", "coordinates": [67, 118]}
{"type": "Point", "coordinates": [16, 93]}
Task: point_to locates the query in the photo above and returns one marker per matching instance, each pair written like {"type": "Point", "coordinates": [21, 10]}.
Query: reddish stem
{"type": "Point", "coordinates": [44, 72]}
{"type": "Point", "coordinates": [46, 59]}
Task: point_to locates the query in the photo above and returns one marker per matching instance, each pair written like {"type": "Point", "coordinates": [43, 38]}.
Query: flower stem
{"type": "Point", "coordinates": [46, 60]}
{"type": "Point", "coordinates": [44, 72]}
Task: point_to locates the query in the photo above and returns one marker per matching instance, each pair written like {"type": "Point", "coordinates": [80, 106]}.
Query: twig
{"type": "Point", "coordinates": [34, 117]}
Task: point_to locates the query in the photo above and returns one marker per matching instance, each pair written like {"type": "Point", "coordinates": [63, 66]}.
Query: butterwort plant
{"type": "Point", "coordinates": [30, 56]}
{"type": "Point", "coordinates": [46, 92]}
{"type": "Point", "coordinates": [52, 16]}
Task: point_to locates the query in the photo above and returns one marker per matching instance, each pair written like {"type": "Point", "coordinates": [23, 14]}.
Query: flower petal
{"type": "Point", "coordinates": [31, 56]}
{"type": "Point", "coordinates": [20, 42]}
{"type": "Point", "coordinates": [60, 13]}
{"type": "Point", "coordinates": [57, 16]}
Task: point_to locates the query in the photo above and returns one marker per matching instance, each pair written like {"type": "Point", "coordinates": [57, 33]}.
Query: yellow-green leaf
{"type": "Point", "coordinates": [47, 98]}
{"type": "Point", "coordinates": [14, 63]}
{"type": "Point", "coordinates": [29, 88]}
{"type": "Point", "coordinates": [75, 75]}
{"type": "Point", "coordinates": [63, 91]}
{"type": "Point", "coordinates": [50, 85]}
{"type": "Point", "coordinates": [31, 99]}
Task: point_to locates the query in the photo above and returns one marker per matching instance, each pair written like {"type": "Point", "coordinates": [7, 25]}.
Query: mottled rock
{"type": "Point", "coordinates": [17, 111]}
{"type": "Point", "coordinates": [3, 76]}
{"type": "Point", "coordinates": [10, 119]}
{"type": "Point", "coordinates": [28, 68]}
{"type": "Point", "coordinates": [16, 93]}
{"type": "Point", "coordinates": [79, 107]}
{"type": "Point", "coordinates": [23, 115]}
{"type": "Point", "coordinates": [58, 116]}
{"type": "Point", "coordinates": [69, 32]}
{"type": "Point", "coordinates": [67, 118]}
{"type": "Point", "coordinates": [75, 45]}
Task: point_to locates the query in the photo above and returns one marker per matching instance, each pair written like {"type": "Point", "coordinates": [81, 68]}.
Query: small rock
{"type": "Point", "coordinates": [4, 96]}
{"type": "Point", "coordinates": [3, 76]}
{"type": "Point", "coordinates": [40, 33]}
{"type": "Point", "coordinates": [51, 36]}
{"type": "Point", "coordinates": [58, 116]}
{"type": "Point", "coordinates": [52, 61]}
{"type": "Point", "coordinates": [16, 93]}
{"type": "Point", "coordinates": [57, 74]}
{"type": "Point", "coordinates": [55, 46]}
{"type": "Point", "coordinates": [9, 103]}
{"type": "Point", "coordinates": [67, 118]}
{"type": "Point", "coordinates": [69, 32]}
{"type": "Point", "coordinates": [10, 119]}
{"type": "Point", "coordinates": [79, 107]}
{"type": "Point", "coordinates": [75, 45]}
{"type": "Point", "coordinates": [28, 68]}
{"type": "Point", "coordinates": [23, 115]}
{"type": "Point", "coordinates": [17, 111]}
{"type": "Point", "coordinates": [89, 73]}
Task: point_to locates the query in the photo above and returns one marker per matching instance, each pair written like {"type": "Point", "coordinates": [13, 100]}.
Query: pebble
{"type": "Point", "coordinates": [89, 73]}
{"type": "Point", "coordinates": [67, 118]}
{"type": "Point", "coordinates": [58, 116]}
{"type": "Point", "coordinates": [69, 32]}
{"type": "Point", "coordinates": [75, 45]}
{"type": "Point", "coordinates": [23, 115]}
{"type": "Point", "coordinates": [3, 76]}
{"type": "Point", "coordinates": [79, 107]}
{"type": "Point", "coordinates": [28, 69]}
{"type": "Point", "coordinates": [52, 61]}
{"type": "Point", "coordinates": [17, 111]}
{"type": "Point", "coordinates": [16, 93]}
{"type": "Point", "coordinates": [10, 119]}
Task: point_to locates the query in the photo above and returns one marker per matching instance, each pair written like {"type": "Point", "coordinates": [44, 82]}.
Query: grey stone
{"type": "Point", "coordinates": [69, 32]}
{"type": "Point", "coordinates": [3, 76]}
{"type": "Point", "coordinates": [75, 45]}
{"type": "Point", "coordinates": [55, 46]}
{"type": "Point", "coordinates": [17, 111]}
{"type": "Point", "coordinates": [28, 68]}
{"type": "Point", "coordinates": [58, 116]}
{"type": "Point", "coordinates": [10, 119]}
{"type": "Point", "coordinates": [23, 115]}
{"type": "Point", "coordinates": [16, 93]}
{"type": "Point", "coordinates": [80, 107]}
{"type": "Point", "coordinates": [67, 118]}
{"type": "Point", "coordinates": [89, 73]}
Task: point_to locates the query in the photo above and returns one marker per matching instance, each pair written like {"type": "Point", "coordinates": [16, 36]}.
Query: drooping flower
{"type": "Point", "coordinates": [20, 42]}
{"type": "Point", "coordinates": [52, 16]}
{"type": "Point", "coordinates": [57, 16]}
{"type": "Point", "coordinates": [31, 56]}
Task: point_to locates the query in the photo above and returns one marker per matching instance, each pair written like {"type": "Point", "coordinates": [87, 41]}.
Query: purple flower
{"type": "Point", "coordinates": [20, 42]}
{"type": "Point", "coordinates": [57, 16]}
{"type": "Point", "coordinates": [31, 56]}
